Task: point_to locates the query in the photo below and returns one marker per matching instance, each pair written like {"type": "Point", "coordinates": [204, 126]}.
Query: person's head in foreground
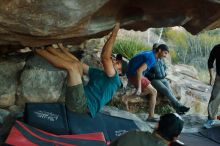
{"type": "Point", "coordinates": [167, 132]}
{"type": "Point", "coordinates": [170, 126]}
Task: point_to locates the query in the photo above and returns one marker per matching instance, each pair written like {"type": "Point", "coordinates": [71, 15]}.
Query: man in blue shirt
{"type": "Point", "coordinates": [102, 84]}
{"type": "Point", "coordinates": [138, 66]}
{"type": "Point", "coordinates": [214, 100]}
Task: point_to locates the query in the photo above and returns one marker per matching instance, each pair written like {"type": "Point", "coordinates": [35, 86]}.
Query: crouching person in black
{"type": "Point", "coordinates": [168, 130]}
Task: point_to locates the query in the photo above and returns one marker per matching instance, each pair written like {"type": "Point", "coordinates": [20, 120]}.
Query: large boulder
{"type": "Point", "coordinates": [9, 75]}
{"type": "Point", "coordinates": [190, 91]}
{"type": "Point", "coordinates": [40, 82]}
{"type": "Point", "coordinates": [36, 23]}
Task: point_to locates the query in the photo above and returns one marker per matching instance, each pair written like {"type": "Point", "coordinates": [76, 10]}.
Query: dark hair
{"type": "Point", "coordinates": [170, 126]}
{"type": "Point", "coordinates": [163, 47]}
{"type": "Point", "coordinates": [119, 57]}
{"type": "Point", "coordinates": [155, 45]}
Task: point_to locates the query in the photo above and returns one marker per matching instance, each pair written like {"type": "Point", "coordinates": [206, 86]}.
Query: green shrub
{"type": "Point", "coordinates": [174, 56]}
{"type": "Point", "coordinates": [129, 47]}
{"type": "Point", "coordinates": [191, 49]}
{"type": "Point", "coordinates": [164, 109]}
{"type": "Point", "coordinates": [203, 75]}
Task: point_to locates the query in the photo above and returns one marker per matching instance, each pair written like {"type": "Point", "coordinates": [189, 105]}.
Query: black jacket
{"type": "Point", "coordinates": [214, 55]}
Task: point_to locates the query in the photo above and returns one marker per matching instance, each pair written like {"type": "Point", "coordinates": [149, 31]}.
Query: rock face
{"type": "Point", "coordinates": [187, 87]}
{"type": "Point", "coordinates": [36, 23]}
{"type": "Point", "coordinates": [40, 82]}
{"type": "Point", "coordinates": [9, 77]}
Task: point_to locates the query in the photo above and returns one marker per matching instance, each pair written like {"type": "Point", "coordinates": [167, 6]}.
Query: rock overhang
{"type": "Point", "coordinates": [36, 23]}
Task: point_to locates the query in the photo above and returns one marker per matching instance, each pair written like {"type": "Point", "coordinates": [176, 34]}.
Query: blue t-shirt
{"type": "Point", "coordinates": [100, 89]}
{"type": "Point", "coordinates": [148, 57]}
